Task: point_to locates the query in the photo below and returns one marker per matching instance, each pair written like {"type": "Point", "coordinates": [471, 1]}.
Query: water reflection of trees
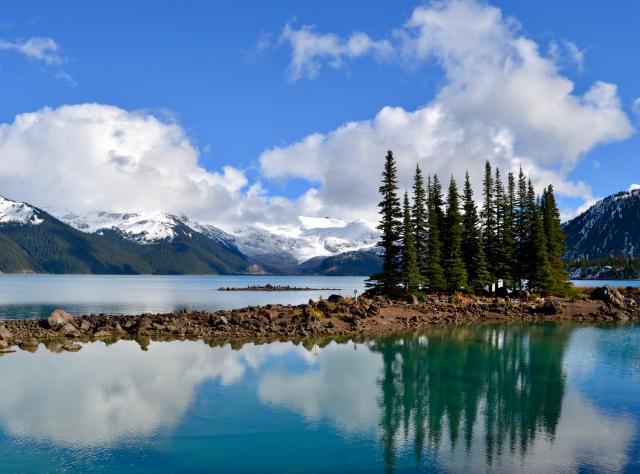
{"type": "Point", "coordinates": [506, 383]}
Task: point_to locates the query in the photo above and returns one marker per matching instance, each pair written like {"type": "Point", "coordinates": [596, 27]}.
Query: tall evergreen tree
{"type": "Point", "coordinates": [554, 236]}
{"type": "Point", "coordinates": [455, 273]}
{"type": "Point", "coordinates": [390, 226]}
{"type": "Point", "coordinates": [522, 227]}
{"type": "Point", "coordinates": [410, 271]}
{"type": "Point", "coordinates": [489, 220]}
{"type": "Point", "coordinates": [438, 203]}
{"type": "Point", "coordinates": [472, 248]}
{"type": "Point", "coordinates": [500, 271]}
{"type": "Point", "coordinates": [435, 274]}
{"type": "Point", "coordinates": [509, 233]}
{"type": "Point", "coordinates": [420, 221]}
{"type": "Point", "coordinates": [539, 274]}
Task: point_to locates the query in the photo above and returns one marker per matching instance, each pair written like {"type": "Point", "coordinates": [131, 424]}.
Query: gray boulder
{"type": "Point", "coordinates": [552, 307]}
{"type": "Point", "coordinates": [609, 295]}
{"type": "Point", "coordinates": [59, 319]}
{"type": "Point", "coordinates": [69, 330]}
{"type": "Point", "coordinates": [5, 334]}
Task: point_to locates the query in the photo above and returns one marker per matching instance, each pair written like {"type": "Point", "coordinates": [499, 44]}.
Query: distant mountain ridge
{"type": "Point", "coordinates": [48, 241]}
{"type": "Point", "coordinates": [34, 241]}
{"type": "Point", "coordinates": [156, 242]}
{"type": "Point", "coordinates": [608, 228]}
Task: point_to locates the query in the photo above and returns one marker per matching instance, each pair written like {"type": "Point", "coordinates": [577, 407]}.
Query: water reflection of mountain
{"type": "Point", "coordinates": [507, 382]}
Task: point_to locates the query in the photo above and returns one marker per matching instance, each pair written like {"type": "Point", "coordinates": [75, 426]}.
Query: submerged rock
{"type": "Point", "coordinates": [29, 345]}
{"type": "Point", "coordinates": [72, 347]}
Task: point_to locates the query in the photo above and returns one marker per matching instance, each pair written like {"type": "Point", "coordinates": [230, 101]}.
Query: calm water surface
{"type": "Point", "coordinates": [35, 296]}
{"type": "Point", "coordinates": [491, 398]}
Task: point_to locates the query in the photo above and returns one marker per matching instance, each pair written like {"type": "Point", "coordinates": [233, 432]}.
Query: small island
{"type": "Point", "coordinates": [270, 287]}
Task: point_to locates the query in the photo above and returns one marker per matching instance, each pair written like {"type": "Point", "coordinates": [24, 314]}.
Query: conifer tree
{"type": "Point", "coordinates": [489, 222]}
{"type": "Point", "coordinates": [435, 274]}
{"type": "Point", "coordinates": [390, 226]}
{"type": "Point", "coordinates": [438, 203]}
{"type": "Point", "coordinates": [420, 221]}
{"type": "Point", "coordinates": [509, 233]}
{"type": "Point", "coordinates": [472, 248]}
{"type": "Point", "coordinates": [499, 205]}
{"type": "Point", "coordinates": [554, 236]}
{"type": "Point", "coordinates": [522, 231]}
{"type": "Point", "coordinates": [539, 274]}
{"type": "Point", "coordinates": [410, 271]}
{"type": "Point", "coordinates": [455, 273]}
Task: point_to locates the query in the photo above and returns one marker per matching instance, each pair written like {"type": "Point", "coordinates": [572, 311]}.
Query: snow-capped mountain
{"type": "Point", "coordinates": [18, 213]}
{"type": "Point", "coordinates": [609, 227]}
{"type": "Point", "coordinates": [143, 228]}
{"type": "Point", "coordinates": [34, 240]}
{"type": "Point", "coordinates": [314, 237]}
{"type": "Point", "coordinates": [157, 242]}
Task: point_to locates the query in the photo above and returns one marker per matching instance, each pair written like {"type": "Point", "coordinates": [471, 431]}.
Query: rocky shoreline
{"type": "Point", "coordinates": [334, 317]}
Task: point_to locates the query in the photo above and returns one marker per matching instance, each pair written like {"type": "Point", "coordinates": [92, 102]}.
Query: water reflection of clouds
{"type": "Point", "coordinates": [107, 394]}
{"type": "Point", "coordinates": [342, 387]}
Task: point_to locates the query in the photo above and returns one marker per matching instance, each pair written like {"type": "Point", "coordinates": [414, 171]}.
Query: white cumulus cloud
{"type": "Point", "coordinates": [310, 49]}
{"type": "Point", "coordinates": [503, 101]}
{"type": "Point", "coordinates": [98, 157]}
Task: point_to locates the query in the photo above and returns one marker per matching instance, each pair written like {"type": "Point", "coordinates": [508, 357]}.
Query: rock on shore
{"type": "Point", "coordinates": [333, 317]}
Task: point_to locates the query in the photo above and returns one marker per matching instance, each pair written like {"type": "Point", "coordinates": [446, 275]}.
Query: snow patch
{"type": "Point", "coordinates": [143, 228]}
{"type": "Point", "coordinates": [18, 212]}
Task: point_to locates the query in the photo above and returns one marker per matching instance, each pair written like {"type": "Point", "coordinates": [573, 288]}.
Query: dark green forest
{"type": "Point", "coordinates": [446, 244]}
{"type": "Point", "coordinates": [54, 247]}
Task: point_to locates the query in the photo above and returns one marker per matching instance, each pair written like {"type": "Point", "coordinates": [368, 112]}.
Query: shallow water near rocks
{"type": "Point", "coordinates": [496, 398]}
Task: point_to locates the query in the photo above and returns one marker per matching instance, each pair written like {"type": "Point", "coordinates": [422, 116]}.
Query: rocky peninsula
{"type": "Point", "coordinates": [336, 316]}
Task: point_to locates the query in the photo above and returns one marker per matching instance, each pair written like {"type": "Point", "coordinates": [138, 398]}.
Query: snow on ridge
{"type": "Point", "coordinates": [143, 228]}
{"type": "Point", "coordinates": [317, 237]}
{"type": "Point", "coordinates": [18, 212]}
{"type": "Point", "coordinates": [314, 237]}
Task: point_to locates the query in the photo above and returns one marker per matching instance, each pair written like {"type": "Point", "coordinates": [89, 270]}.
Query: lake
{"type": "Point", "coordinates": [489, 398]}
{"type": "Point", "coordinates": [35, 296]}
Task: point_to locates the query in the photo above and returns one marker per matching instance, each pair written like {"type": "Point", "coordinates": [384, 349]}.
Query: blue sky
{"type": "Point", "coordinates": [222, 72]}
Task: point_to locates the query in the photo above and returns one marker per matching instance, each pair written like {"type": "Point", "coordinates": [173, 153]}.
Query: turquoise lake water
{"type": "Point", "coordinates": [35, 296]}
{"type": "Point", "coordinates": [490, 398]}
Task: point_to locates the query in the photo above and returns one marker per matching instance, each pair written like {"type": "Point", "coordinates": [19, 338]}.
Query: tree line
{"type": "Point", "coordinates": [514, 242]}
